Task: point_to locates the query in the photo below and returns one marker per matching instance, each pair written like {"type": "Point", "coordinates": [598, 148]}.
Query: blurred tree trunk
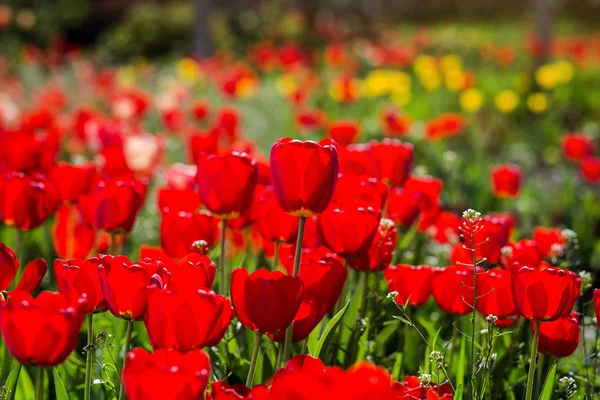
{"type": "Point", "coordinates": [202, 41]}
{"type": "Point", "coordinates": [544, 12]}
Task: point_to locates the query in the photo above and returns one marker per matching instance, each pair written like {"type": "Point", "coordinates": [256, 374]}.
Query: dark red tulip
{"type": "Point", "coordinates": [165, 374]}
{"type": "Point", "coordinates": [193, 272]}
{"type": "Point", "coordinates": [226, 183]}
{"type": "Point", "coordinates": [184, 319]}
{"type": "Point", "coordinates": [550, 240]}
{"type": "Point", "coordinates": [542, 294]}
{"type": "Point", "coordinates": [179, 230]}
{"type": "Point", "coordinates": [221, 390]}
{"type": "Point", "coordinates": [403, 207]}
{"type": "Point", "coordinates": [559, 338]}
{"type": "Point", "coordinates": [72, 234]}
{"type": "Point", "coordinates": [392, 160]}
{"type": "Point", "coordinates": [304, 175]}
{"type": "Point", "coordinates": [343, 132]}
{"type": "Point", "coordinates": [577, 146]}
{"type": "Point", "coordinates": [33, 273]}
{"type": "Point", "coordinates": [71, 181]}
{"type": "Point", "coordinates": [323, 282]}
{"type": "Point", "coordinates": [264, 301]}
{"type": "Point", "coordinates": [494, 293]}
{"type": "Point", "coordinates": [40, 331]}
{"type": "Point", "coordinates": [356, 159]}
{"type": "Point", "coordinates": [26, 201]}
{"type": "Point", "coordinates": [272, 222]}
{"type": "Point", "coordinates": [349, 231]}
{"type": "Point", "coordinates": [126, 285]}
{"type": "Point", "coordinates": [113, 204]}
{"type": "Point", "coordinates": [185, 200]}
{"type": "Point", "coordinates": [79, 279]}
{"type": "Point", "coordinates": [452, 289]}
{"type": "Point", "coordinates": [412, 283]}
{"type": "Point", "coordinates": [590, 169]}
{"type": "Point", "coordinates": [506, 181]}
{"type": "Point", "coordinates": [379, 255]}
{"type": "Point", "coordinates": [525, 252]}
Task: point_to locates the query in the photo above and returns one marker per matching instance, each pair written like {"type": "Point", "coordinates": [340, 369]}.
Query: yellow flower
{"type": "Point", "coordinates": [546, 76]}
{"type": "Point", "coordinates": [424, 62]}
{"type": "Point", "coordinates": [506, 101]}
{"type": "Point", "coordinates": [381, 82]}
{"type": "Point", "coordinates": [286, 85]}
{"type": "Point", "coordinates": [538, 102]}
{"type": "Point", "coordinates": [565, 71]}
{"type": "Point", "coordinates": [401, 97]}
{"type": "Point", "coordinates": [454, 79]}
{"type": "Point", "coordinates": [126, 76]}
{"type": "Point", "coordinates": [189, 70]}
{"type": "Point", "coordinates": [451, 62]}
{"type": "Point", "coordinates": [471, 100]}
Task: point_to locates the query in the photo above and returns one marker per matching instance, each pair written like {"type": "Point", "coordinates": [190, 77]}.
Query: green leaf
{"type": "Point", "coordinates": [329, 329]}
{"type": "Point", "coordinates": [59, 386]}
{"type": "Point", "coordinates": [25, 387]}
{"type": "Point", "coordinates": [397, 366]}
{"type": "Point", "coordinates": [549, 384]}
{"type": "Point", "coordinates": [11, 381]}
{"type": "Point", "coordinates": [462, 363]}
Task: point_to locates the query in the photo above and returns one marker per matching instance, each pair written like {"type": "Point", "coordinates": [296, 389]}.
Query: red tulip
{"type": "Point", "coordinates": [412, 389]}
{"type": "Point", "coordinates": [264, 301]}
{"type": "Point", "coordinates": [310, 120]}
{"type": "Point", "coordinates": [525, 252]}
{"type": "Point", "coordinates": [228, 121]}
{"type": "Point", "coordinates": [179, 230]}
{"type": "Point", "coordinates": [542, 294]}
{"type": "Point", "coordinates": [165, 374]}
{"type": "Point", "coordinates": [590, 169]}
{"type": "Point", "coordinates": [26, 202]}
{"type": "Point", "coordinates": [506, 181]}
{"type": "Point", "coordinates": [72, 234]}
{"type": "Point", "coordinates": [349, 231]}
{"type": "Point", "coordinates": [491, 236]}
{"type": "Point", "coordinates": [40, 331]}
{"type": "Point", "coordinates": [272, 222]}
{"type": "Point", "coordinates": [356, 159]}
{"type": "Point", "coordinates": [200, 109]}
{"type": "Point", "coordinates": [71, 181]}
{"type": "Point", "coordinates": [323, 282]}
{"type": "Point", "coordinates": [445, 227]}
{"type": "Point", "coordinates": [304, 175]}
{"type": "Point", "coordinates": [226, 183]}
{"type": "Point", "coordinates": [403, 207]}
{"type": "Point", "coordinates": [113, 204]}
{"type": "Point", "coordinates": [221, 390]}
{"type": "Point", "coordinates": [413, 284]}
{"type": "Point", "coordinates": [9, 265]}
{"type": "Point", "coordinates": [427, 188]}
{"type": "Point", "coordinates": [379, 255]}
{"type": "Point", "coordinates": [452, 289]}
{"type": "Point", "coordinates": [550, 240]}
{"type": "Point", "coordinates": [184, 320]}
{"type": "Point", "coordinates": [395, 124]}
{"type": "Point", "coordinates": [360, 189]}
{"type": "Point", "coordinates": [79, 279]}
{"type": "Point", "coordinates": [185, 200]}
{"type": "Point", "coordinates": [392, 160]}
{"type": "Point", "coordinates": [343, 132]}
{"type": "Point", "coordinates": [202, 142]}
{"type": "Point", "coordinates": [180, 176]}
{"type": "Point", "coordinates": [577, 146]}
{"type": "Point", "coordinates": [559, 338]}
{"type": "Point", "coordinates": [193, 272]}
{"type": "Point", "coordinates": [494, 293]}
{"type": "Point", "coordinates": [126, 285]}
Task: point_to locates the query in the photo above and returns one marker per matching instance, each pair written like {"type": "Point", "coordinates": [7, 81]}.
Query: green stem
{"type": "Point", "coordinates": [252, 369]}
{"type": "Point", "coordinates": [88, 357]}
{"type": "Point", "coordinates": [530, 376]}
{"type": "Point", "coordinates": [127, 346]}
{"type": "Point", "coordinates": [275, 257]}
{"type": "Point", "coordinates": [474, 305]}
{"type": "Point", "coordinates": [39, 384]}
{"type": "Point", "coordinates": [405, 344]}
{"type": "Point", "coordinates": [13, 387]}
{"type": "Point", "coordinates": [222, 281]}
{"type": "Point", "coordinates": [279, 356]}
{"type": "Point", "coordinates": [5, 366]}
{"type": "Point", "coordinates": [287, 349]}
